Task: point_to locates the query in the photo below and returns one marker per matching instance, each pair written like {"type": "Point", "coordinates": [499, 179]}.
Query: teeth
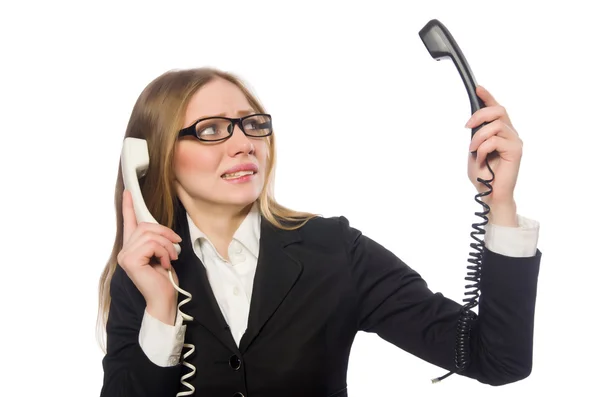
{"type": "Point", "coordinates": [237, 174]}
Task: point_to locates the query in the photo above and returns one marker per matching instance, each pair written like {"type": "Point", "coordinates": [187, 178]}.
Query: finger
{"type": "Point", "coordinates": [495, 143]}
{"type": "Point", "coordinates": [164, 256]}
{"type": "Point", "coordinates": [498, 128]}
{"type": "Point", "coordinates": [145, 236]}
{"type": "Point", "coordinates": [488, 114]}
{"type": "Point", "coordinates": [153, 248]}
{"type": "Point", "coordinates": [486, 96]}
{"type": "Point", "coordinates": [129, 219]}
{"type": "Point", "coordinates": [155, 228]}
{"type": "Point", "coordinates": [485, 149]}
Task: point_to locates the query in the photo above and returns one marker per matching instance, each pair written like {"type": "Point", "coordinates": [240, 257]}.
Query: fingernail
{"type": "Point", "coordinates": [180, 239]}
{"type": "Point", "coordinates": [468, 124]}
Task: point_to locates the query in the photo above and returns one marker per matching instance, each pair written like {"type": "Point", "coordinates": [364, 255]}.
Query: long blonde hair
{"type": "Point", "coordinates": [157, 117]}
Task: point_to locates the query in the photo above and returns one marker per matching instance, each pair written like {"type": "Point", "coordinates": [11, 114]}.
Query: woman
{"type": "Point", "coordinates": [278, 295]}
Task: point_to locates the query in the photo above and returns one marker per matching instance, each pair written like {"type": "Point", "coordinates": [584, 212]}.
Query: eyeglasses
{"type": "Point", "coordinates": [213, 129]}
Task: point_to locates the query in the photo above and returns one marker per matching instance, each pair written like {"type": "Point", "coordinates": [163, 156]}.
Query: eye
{"type": "Point", "coordinates": [207, 131]}
{"type": "Point", "coordinates": [258, 125]}
{"type": "Point", "coordinates": [212, 129]}
{"type": "Point", "coordinates": [252, 124]}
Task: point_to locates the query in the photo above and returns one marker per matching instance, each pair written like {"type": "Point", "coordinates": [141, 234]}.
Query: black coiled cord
{"type": "Point", "coordinates": [467, 317]}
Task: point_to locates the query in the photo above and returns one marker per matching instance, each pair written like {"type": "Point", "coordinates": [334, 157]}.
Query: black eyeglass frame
{"type": "Point", "coordinates": [191, 130]}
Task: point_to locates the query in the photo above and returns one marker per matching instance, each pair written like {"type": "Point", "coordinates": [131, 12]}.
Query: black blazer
{"type": "Point", "coordinates": [314, 289]}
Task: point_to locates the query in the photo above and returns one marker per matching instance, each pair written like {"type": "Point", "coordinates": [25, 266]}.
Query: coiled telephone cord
{"type": "Point", "coordinates": [191, 347]}
{"type": "Point", "coordinates": [467, 317]}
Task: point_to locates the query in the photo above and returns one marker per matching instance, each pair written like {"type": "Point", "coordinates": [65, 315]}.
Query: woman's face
{"type": "Point", "coordinates": [200, 167]}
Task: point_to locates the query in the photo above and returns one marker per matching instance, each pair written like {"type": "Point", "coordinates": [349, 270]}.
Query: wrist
{"type": "Point", "coordinates": [165, 312]}
{"type": "Point", "coordinates": [503, 214]}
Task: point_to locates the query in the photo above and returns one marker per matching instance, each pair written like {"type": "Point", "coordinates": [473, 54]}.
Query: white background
{"type": "Point", "coordinates": [369, 126]}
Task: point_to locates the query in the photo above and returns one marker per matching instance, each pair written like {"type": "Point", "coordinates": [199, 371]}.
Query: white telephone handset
{"type": "Point", "coordinates": [134, 163]}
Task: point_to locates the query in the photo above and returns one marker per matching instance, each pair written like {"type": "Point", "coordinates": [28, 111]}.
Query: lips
{"type": "Point", "coordinates": [240, 170]}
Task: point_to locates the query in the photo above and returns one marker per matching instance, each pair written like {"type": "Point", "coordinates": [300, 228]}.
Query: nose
{"type": "Point", "coordinates": [239, 143]}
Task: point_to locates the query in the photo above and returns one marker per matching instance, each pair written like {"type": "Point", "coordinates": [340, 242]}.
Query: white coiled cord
{"type": "Point", "coordinates": [186, 317]}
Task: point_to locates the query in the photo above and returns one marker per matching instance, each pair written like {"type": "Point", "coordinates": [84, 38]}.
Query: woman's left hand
{"type": "Point", "coordinates": [500, 142]}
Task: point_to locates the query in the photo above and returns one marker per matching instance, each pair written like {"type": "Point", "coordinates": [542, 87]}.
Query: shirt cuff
{"type": "Point", "coordinates": [161, 342]}
{"type": "Point", "coordinates": [517, 242]}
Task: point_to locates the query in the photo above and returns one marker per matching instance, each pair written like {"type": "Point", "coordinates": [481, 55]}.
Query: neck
{"type": "Point", "coordinates": [219, 223]}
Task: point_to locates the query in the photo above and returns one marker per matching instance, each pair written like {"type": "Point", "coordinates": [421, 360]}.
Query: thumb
{"type": "Point", "coordinates": [129, 219]}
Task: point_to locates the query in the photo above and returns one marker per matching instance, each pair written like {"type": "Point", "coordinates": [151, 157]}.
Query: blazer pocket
{"type": "Point", "coordinates": [340, 393]}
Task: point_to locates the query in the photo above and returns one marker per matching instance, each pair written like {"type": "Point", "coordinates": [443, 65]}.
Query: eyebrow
{"type": "Point", "coordinates": [239, 113]}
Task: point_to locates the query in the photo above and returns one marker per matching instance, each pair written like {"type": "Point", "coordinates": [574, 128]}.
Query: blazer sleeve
{"type": "Point", "coordinates": [127, 369]}
{"type": "Point", "coordinates": [395, 302]}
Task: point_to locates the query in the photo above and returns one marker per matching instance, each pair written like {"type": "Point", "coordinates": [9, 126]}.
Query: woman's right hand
{"type": "Point", "coordinates": [141, 243]}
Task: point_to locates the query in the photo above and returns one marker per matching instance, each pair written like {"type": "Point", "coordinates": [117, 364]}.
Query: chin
{"type": "Point", "coordinates": [243, 200]}
{"type": "Point", "coordinates": [240, 198]}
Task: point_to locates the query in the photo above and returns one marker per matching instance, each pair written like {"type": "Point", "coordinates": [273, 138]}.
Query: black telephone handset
{"type": "Point", "coordinates": [440, 44]}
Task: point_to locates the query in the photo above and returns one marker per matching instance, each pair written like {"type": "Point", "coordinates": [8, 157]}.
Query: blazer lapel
{"type": "Point", "coordinates": [193, 279]}
{"type": "Point", "coordinates": [276, 273]}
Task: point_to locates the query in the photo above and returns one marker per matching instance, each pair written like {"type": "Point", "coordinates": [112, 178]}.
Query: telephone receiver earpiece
{"type": "Point", "coordinates": [440, 44]}
{"type": "Point", "coordinates": [134, 164]}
